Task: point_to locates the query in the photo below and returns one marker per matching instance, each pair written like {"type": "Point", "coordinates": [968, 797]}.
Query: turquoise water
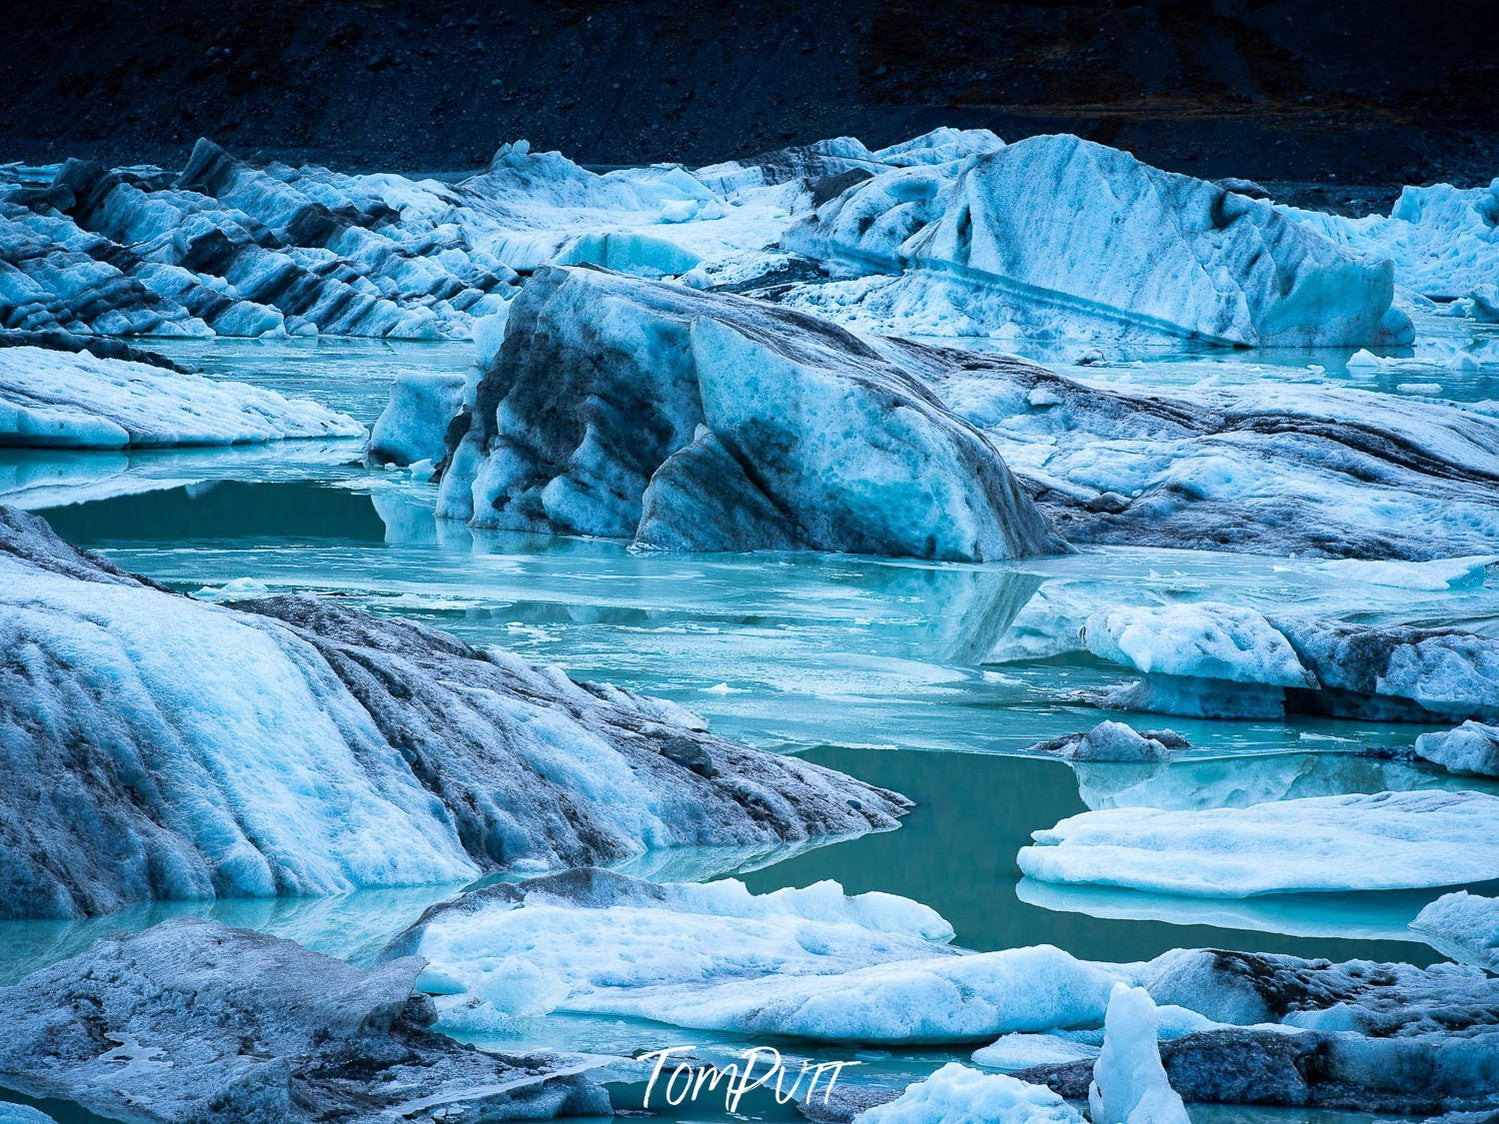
{"type": "Point", "coordinates": [901, 673]}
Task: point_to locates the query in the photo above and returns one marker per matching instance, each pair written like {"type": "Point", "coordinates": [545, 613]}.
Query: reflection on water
{"type": "Point", "coordinates": [352, 376]}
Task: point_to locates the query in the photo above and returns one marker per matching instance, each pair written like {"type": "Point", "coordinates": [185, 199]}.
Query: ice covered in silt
{"type": "Point", "coordinates": [651, 412]}
{"type": "Point", "coordinates": [160, 747]}
{"type": "Point", "coordinates": [192, 1020]}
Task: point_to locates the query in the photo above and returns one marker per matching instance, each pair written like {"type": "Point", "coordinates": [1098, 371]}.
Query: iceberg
{"type": "Point", "coordinates": [1383, 841]}
{"type": "Point", "coordinates": [1396, 672]}
{"type": "Point", "coordinates": [1464, 926]}
{"type": "Point", "coordinates": [682, 420]}
{"type": "Point", "coordinates": [161, 747]}
{"type": "Point", "coordinates": [1218, 660]}
{"type": "Point", "coordinates": [1284, 470]}
{"type": "Point", "coordinates": [810, 963]}
{"type": "Point", "coordinates": [76, 400]}
{"type": "Point", "coordinates": [1472, 748]}
{"type": "Point", "coordinates": [1129, 1083]}
{"type": "Point", "coordinates": [1058, 236]}
{"type": "Point", "coordinates": [192, 1020]}
{"type": "Point", "coordinates": [957, 1094]}
{"type": "Point", "coordinates": [1441, 239]}
{"type": "Point", "coordinates": [413, 426]}
{"type": "Point", "coordinates": [1114, 742]}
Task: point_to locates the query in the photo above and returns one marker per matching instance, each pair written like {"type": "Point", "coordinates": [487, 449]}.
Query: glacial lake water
{"type": "Point", "coordinates": [884, 669]}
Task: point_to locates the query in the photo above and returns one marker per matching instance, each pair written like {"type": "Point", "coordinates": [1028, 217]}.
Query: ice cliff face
{"type": "Point", "coordinates": [159, 747]}
{"type": "Point", "coordinates": [1066, 237]}
{"type": "Point", "coordinates": [59, 399]}
{"type": "Point", "coordinates": [681, 420]}
{"type": "Point", "coordinates": [192, 1020]}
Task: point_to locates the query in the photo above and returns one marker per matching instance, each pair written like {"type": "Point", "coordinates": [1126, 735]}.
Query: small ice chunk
{"type": "Point", "coordinates": [1464, 926]}
{"type": "Point", "coordinates": [957, 1094]}
{"type": "Point", "coordinates": [1129, 1082]}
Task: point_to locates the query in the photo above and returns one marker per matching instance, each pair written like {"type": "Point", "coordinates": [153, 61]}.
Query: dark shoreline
{"type": "Point", "coordinates": [1290, 90]}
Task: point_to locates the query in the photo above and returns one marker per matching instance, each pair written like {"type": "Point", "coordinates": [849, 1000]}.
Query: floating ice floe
{"type": "Point", "coordinates": [682, 420]}
{"type": "Point", "coordinates": [1380, 841]}
{"type": "Point", "coordinates": [1438, 574]}
{"type": "Point", "coordinates": [1465, 926]}
{"type": "Point", "coordinates": [75, 400]}
{"type": "Point", "coordinates": [192, 1020]}
{"type": "Point", "coordinates": [293, 746]}
{"type": "Point", "coordinates": [1059, 236]}
{"type": "Point", "coordinates": [957, 1094]}
{"type": "Point", "coordinates": [1441, 239]}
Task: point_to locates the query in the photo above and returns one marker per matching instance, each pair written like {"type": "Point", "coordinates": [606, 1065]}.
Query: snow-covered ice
{"type": "Point", "coordinates": [74, 400]}
{"type": "Point", "coordinates": [1380, 841]}
{"type": "Point", "coordinates": [1465, 926]}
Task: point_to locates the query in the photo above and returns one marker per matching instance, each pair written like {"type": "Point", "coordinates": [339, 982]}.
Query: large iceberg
{"type": "Point", "coordinates": [682, 420]}
{"type": "Point", "coordinates": [194, 1021]}
{"type": "Point", "coordinates": [160, 747]}
{"type": "Point", "coordinates": [1383, 841]}
{"type": "Point", "coordinates": [75, 400]}
{"type": "Point", "coordinates": [1061, 236]}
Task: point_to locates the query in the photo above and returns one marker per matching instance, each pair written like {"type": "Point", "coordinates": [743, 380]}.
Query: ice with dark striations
{"type": "Point", "coordinates": [681, 420]}
{"type": "Point", "coordinates": [1059, 236]}
{"type": "Point", "coordinates": [689, 419]}
{"type": "Point", "coordinates": [160, 747]}
{"type": "Point", "coordinates": [195, 1021]}
{"type": "Point", "coordinates": [233, 250]}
